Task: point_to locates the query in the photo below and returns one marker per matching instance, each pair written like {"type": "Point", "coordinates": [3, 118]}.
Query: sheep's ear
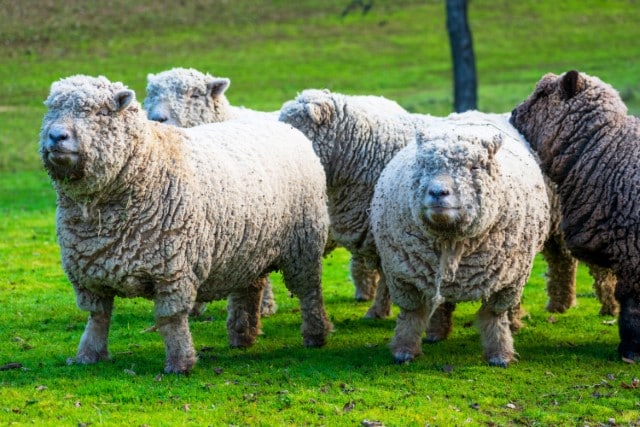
{"type": "Point", "coordinates": [570, 84]}
{"type": "Point", "coordinates": [218, 86]}
{"type": "Point", "coordinates": [319, 113]}
{"type": "Point", "coordinates": [123, 99]}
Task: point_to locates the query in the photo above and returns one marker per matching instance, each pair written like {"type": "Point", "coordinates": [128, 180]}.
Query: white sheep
{"type": "Point", "coordinates": [187, 97]}
{"type": "Point", "coordinates": [355, 137]}
{"type": "Point", "coordinates": [180, 215]}
{"type": "Point", "coordinates": [459, 216]}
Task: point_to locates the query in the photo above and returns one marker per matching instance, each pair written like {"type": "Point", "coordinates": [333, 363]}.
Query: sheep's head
{"type": "Point", "coordinates": [563, 110]}
{"type": "Point", "coordinates": [88, 132]}
{"type": "Point", "coordinates": [186, 98]}
{"type": "Point", "coordinates": [456, 182]}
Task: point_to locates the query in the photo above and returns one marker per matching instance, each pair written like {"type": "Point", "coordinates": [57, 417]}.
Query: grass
{"type": "Point", "coordinates": [568, 371]}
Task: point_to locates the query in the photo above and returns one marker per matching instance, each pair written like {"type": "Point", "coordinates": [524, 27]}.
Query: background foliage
{"type": "Point", "coordinates": [568, 373]}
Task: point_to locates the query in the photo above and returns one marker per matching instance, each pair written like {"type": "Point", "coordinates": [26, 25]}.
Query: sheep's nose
{"type": "Point", "coordinates": [158, 117]}
{"type": "Point", "coordinates": [57, 135]}
{"type": "Point", "coordinates": [438, 190]}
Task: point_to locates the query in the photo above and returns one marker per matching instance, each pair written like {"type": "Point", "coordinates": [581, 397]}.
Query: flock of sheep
{"type": "Point", "coordinates": [191, 199]}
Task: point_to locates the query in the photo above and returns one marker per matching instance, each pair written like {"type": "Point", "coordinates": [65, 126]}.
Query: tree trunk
{"type": "Point", "coordinates": [464, 64]}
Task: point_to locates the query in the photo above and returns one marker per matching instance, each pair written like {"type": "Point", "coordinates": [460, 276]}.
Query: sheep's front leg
{"type": "Point", "coordinates": [93, 344]}
{"type": "Point", "coordinates": [495, 333]}
{"type": "Point", "coordinates": [173, 303]}
{"type": "Point", "coordinates": [406, 344]}
{"type": "Point", "coordinates": [604, 283]}
{"type": "Point", "coordinates": [364, 278]}
{"type": "Point", "coordinates": [628, 321]}
{"type": "Point", "coordinates": [243, 314]}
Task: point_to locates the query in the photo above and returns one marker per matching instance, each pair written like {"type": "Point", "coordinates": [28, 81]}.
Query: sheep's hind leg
{"type": "Point", "coordinates": [604, 283]}
{"type": "Point", "coordinates": [441, 323]}
{"type": "Point", "coordinates": [495, 333]}
{"type": "Point", "coordinates": [93, 344]}
{"type": "Point", "coordinates": [561, 275]}
{"type": "Point", "coordinates": [364, 279]}
{"type": "Point", "coordinates": [410, 325]}
{"type": "Point", "coordinates": [243, 314]}
{"type": "Point", "coordinates": [381, 306]}
{"type": "Point", "coordinates": [268, 305]}
{"type": "Point", "coordinates": [305, 283]}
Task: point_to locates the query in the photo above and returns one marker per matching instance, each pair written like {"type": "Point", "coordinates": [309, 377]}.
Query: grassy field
{"type": "Point", "coordinates": [568, 371]}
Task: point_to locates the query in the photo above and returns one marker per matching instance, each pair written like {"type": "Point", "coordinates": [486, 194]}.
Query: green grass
{"type": "Point", "coordinates": [568, 371]}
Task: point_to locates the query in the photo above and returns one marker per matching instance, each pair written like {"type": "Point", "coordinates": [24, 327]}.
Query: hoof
{"type": "Point", "coordinates": [180, 366]}
{"type": "Point", "coordinates": [267, 310]}
{"type": "Point", "coordinates": [630, 356]}
{"type": "Point", "coordinates": [374, 313]}
{"type": "Point", "coordinates": [431, 339]}
{"type": "Point", "coordinates": [402, 358]}
{"type": "Point", "coordinates": [363, 298]}
{"type": "Point", "coordinates": [241, 342]}
{"type": "Point", "coordinates": [557, 308]}
{"type": "Point", "coordinates": [312, 341]}
{"type": "Point", "coordinates": [86, 358]}
{"type": "Point", "coordinates": [498, 362]}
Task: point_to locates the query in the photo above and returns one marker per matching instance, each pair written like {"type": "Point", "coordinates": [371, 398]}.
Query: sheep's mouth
{"type": "Point", "coordinates": [62, 158]}
{"type": "Point", "coordinates": [63, 164]}
{"type": "Point", "coordinates": [442, 215]}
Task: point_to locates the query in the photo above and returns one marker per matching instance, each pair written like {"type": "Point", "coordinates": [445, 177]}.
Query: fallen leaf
{"type": "Point", "coordinates": [130, 372]}
{"type": "Point", "coordinates": [41, 387]}
{"type": "Point", "coordinates": [70, 361]}
{"type": "Point", "coordinates": [158, 377]}
{"type": "Point", "coordinates": [635, 383]}
{"type": "Point", "coordinates": [609, 322]}
{"type": "Point", "coordinates": [12, 365]}
{"type": "Point", "coordinates": [372, 423]}
{"type": "Point", "coordinates": [152, 328]}
{"type": "Point", "coordinates": [186, 407]}
{"type": "Point", "coordinates": [474, 406]}
{"type": "Point", "coordinates": [447, 368]}
{"type": "Point", "coordinates": [629, 361]}
{"type": "Point", "coordinates": [217, 370]}
{"type": "Point", "coordinates": [511, 405]}
{"type": "Point", "coordinates": [77, 404]}
{"type": "Point", "coordinates": [551, 319]}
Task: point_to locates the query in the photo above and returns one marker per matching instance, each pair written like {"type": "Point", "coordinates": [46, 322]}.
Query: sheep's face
{"type": "Point", "coordinates": [88, 132]}
{"type": "Point", "coordinates": [186, 98]}
{"type": "Point", "coordinates": [454, 184]}
{"type": "Point", "coordinates": [561, 112]}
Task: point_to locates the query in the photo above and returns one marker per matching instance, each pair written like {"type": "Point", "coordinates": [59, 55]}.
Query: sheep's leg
{"type": "Point", "coordinates": [605, 284]}
{"type": "Point", "coordinates": [495, 333]}
{"type": "Point", "coordinates": [305, 283]}
{"type": "Point", "coordinates": [181, 356]}
{"type": "Point", "coordinates": [365, 279]}
{"type": "Point", "coordinates": [561, 275]}
{"type": "Point", "coordinates": [93, 344]}
{"type": "Point", "coordinates": [515, 317]}
{"type": "Point", "coordinates": [381, 307]}
{"type": "Point", "coordinates": [243, 314]}
{"type": "Point", "coordinates": [410, 325]}
{"type": "Point", "coordinates": [441, 323]}
{"type": "Point", "coordinates": [268, 305]}
{"type": "Point", "coordinates": [628, 321]}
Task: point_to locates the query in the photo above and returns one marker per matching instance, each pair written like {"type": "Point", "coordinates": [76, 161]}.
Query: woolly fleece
{"type": "Point", "coordinates": [355, 137]}
{"type": "Point", "coordinates": [139, 212]}
{"type": "Point", "coordinates": [459, 216]}
{"type": "Point", "coordinates": [589, 146]}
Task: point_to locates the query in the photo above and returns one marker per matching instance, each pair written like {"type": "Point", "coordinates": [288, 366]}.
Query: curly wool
{"type": "Point", "coordinates": [459, 216]}
{"type": "Point", "coordinates": [354, 137]}
{"type": "Point", "coordinates": [588, 145]}
{"type": "Point", "coordinates": [187, 97]}
{"type": "Point", "coordinates": [180, 215]}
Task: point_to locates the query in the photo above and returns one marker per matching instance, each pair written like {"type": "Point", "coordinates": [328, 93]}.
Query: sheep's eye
{"type": "Point", "coordinates": [475, 166]}
{"type": "Point", "coordinates": [196, 95]}
{"type": "Point", "coordinates": [104, 111]}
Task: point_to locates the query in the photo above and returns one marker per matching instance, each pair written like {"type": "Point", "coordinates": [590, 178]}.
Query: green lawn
{"type": "Point", "coordinates": [568, 371]}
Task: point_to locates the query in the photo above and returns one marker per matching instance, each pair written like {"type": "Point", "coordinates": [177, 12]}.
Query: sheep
{"type": "Point", "coordinates": [187, 97]}
{"type": "Point", "coordinates": [355, 137]}
{"type": "Point", "coordinates": [366, 132]}
{"type": "Point", "coordinates": [588, 145]}
{"type": "Point", "coordinates": [180, 216]}
{"type": "Point", "coordinates": [459, 215]}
